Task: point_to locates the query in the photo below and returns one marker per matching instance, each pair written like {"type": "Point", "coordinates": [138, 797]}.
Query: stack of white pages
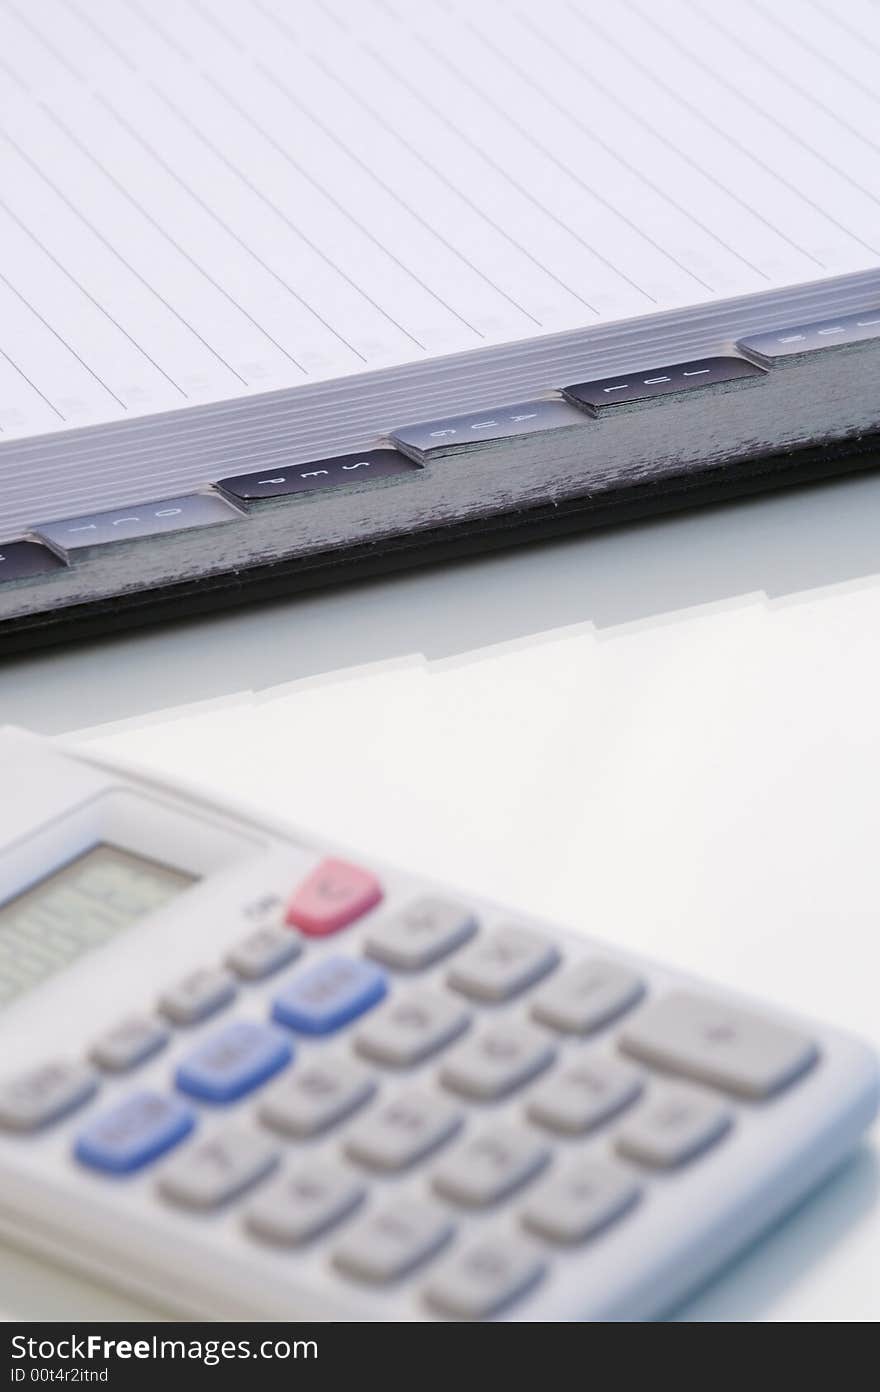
{"type": "Point", "coordinates": [283, 281]}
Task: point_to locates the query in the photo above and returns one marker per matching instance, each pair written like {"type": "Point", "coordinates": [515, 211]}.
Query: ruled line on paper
{"type": "Point", "coordinates": [23, 375]}
{"type": "Point", "coordinates": [290, 96]}
{"type": "Point", "coordinates": [678, 150]}
{"type": "Point", "coordinates": [286, 155]}
{"type": "Point", "coordinates": [500, 54]}
{"type": "Point", "coordinates": [152, 222]}
{"type": "Point", "coordinates": [759, 58]}
{"type": "Point", "coordinates": [219, 154]}
{"type": "Point", "coordinates": [286, 90]}
{"type": "Point", "coordinates": [63, 341]}
{"type": "Point", "coordinates": [720, 130]}
{"type": "Point", "coordinates": [56, 53]}
{"type": "Point", "coordinates": [212, 199]}
{"type": "Point", "coordinates": [392, 193]}
{"type": "Point", "coordinates": [811, 97]}
{"type": "Point", "coordinates": [615, 99]}
{"type": "Point", "coordinates": [440, 58]}
{"type": "Point", "coordinates": [444, 179]}
{"type": "Point", "coordinates": [822, 56]}
{"type": "Point", "coordinates": [89, 23]}
{"type": "Point", "coordinates": [154, 154]}
{"type": "Point", "coordinates": [29, 232]}
{"type": "Point", "coordinates": [346, 213]}
{"type": "Point", "coordinates": [221, 222]}
{"type": "Point", "coordinates": [836, 19]}
{"type": "Point", "coordinates": [129, 198]}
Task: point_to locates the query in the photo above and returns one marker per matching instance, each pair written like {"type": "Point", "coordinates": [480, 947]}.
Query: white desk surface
{"type": "Point", "coordinates": [670, 733]}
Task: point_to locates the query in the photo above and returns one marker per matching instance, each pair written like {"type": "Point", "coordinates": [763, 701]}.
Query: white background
{"type": "Point", "coordinates": [669, 734]}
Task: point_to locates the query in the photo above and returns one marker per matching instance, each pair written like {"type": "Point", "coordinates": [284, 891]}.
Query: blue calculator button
{"type": "Point", "coordinates": [134, 1132]}
{"type": "Point", "coordinates": [328, 995]}
{"type": "Point", "coordinates": [233, 1061]}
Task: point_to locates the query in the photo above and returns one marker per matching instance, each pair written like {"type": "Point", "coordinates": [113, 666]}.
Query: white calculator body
{"type": "Point", "coordinates": [244, 1075]}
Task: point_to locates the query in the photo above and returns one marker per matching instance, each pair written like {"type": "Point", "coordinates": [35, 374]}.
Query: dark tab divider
{"type": "Point", "coordinates": [807, 338]}
{"type": "Point", "coordinates": [320, 473]}
{"type": "Point", "coordinates": [484, 427]}
{"type": "Point", "coordinates": [20, 560]}
{"type": "Point", "coordinates": [608, 392]}
{"type": "Point", "coordinates": [142, 520]}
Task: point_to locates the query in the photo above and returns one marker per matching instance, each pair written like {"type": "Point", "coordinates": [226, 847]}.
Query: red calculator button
{"type": "Point", "coordinates": [332, 896]}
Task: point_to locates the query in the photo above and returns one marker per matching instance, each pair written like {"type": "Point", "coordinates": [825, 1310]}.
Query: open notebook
{"type": "Point", "coordinates": [241, 236]}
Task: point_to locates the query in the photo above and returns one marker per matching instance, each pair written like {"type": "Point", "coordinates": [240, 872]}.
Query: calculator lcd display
{"type": "Point", "coordinates": [77, 908]}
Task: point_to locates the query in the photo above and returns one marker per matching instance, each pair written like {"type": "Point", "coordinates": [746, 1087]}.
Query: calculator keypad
{"type": "Point", "coordinates": [490, 1165]}
{"type": "Point", "coordinates": [233, 1061]}
{"type": "Point", "coordinates": [44, 1094]}
{"type": "Point", "coordinates": [672, 1127]}
{"type": "Point", "coordinates": [315, 1096]}
{"type": "Point", "coordinates": [299, 1206]}
{"type": "Point", "coordinates": [197, 995]}
{"type": "Point", "coordinates": [392, 1241]}
{"type": "Point", "coordinates": [718, 1044]}
{"type": "Point", "coordinates": [583, 1094]}
{"type": "Point", "coordinates": [510, 1086]}
{"type": "Point", "coordinates": [588, 1197]}
{"type": "Point", "coordinates": [411, 1027]}
{"type": "Point", "coordinates": [129, 1043]}
{"type": "Point", "coordinates": [503, 963]}
{"type": "Point", "coordinates": [484, 1276]}
{"type": "Point", "coordinates": [263, 952]}
{"type": "Point", "coordinates": [402, 1131]}
{"type": "Point", "coordinates": [323, 998]}
{"type": "Point", "coordinates": [215, 1170]}
{"type": "Point", "coordinates": [131, 1134]}
{"type": "Point", "coordinates": [421, 934]}
{"type": "Point", "coordinates": [582, 999]}
{"type": "Point", "coordinates": [331, 897]}
{"type": "Point", "coordinates": [497, 1060]}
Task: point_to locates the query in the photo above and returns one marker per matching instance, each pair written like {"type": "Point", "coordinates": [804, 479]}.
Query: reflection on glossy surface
{"type": "Point", "coordinates": [667, 734]}
{"type": "Point", "coordinates": [778, 547]}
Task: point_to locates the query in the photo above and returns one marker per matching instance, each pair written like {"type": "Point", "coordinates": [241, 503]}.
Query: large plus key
{"type": "Point", "coordinates": [719, 1044]}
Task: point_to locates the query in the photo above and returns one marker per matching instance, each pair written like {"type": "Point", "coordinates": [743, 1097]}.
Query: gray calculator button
{"type": "Point", "coordinates": [487, 1167]}
{"type": "Point", "coordinates": [484, 1277]}
{"type": "Point", "coordinates": [499, 1059]}
{"type": "Point", "coordinates": [129, 1043]}
{"type": "Point", "coordinates": [574, 1206]}
{"type": "Point", "coordinates": [421, 933]}
{"type": "Point", "coordinates": [301, 1205]}
{"type": "Point", "coordinates": [585, 1092]}
{"type": "Point", "coordinates": [411, 1027]}
{"type": "Point", "coordinates": [218, 1169]}
{"type": "Point", "coordinates": [502, 963]}
{"type": "Point", "coordinates": [718, 1044]}
{"type": "Point", "coordinates": [197, 996]}
{"type": "Point", "coordinates": [403, 1130]}
{"type": "Point", "coordinates": [43, 1094]}
{"type": "Point", "coordinates": [672, 1127]}
{"type": "Point", "coordinates": [263, 951]}
{"type": "Point", "coordinates": [315, 1095]}
{"type": "Point", "coordinates": [586, 996]}
{"type": "Point", "coordinates": [392, 1241]}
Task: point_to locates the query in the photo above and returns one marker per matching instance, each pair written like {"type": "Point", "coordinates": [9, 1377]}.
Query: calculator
{"type": "Point", "coordinates": [246, 1075]}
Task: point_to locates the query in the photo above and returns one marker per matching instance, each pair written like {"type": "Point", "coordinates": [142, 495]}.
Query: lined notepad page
{"type": "Point", "coordinates": [202, 199]}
